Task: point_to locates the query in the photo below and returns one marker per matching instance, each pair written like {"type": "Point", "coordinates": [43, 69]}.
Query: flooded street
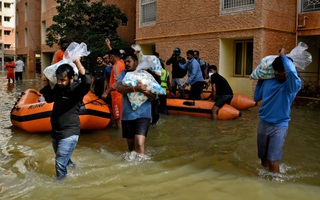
{"type": "Point", "coordinates": [186, 158]}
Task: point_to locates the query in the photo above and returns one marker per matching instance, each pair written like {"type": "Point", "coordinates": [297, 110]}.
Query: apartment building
{"type": "Point", "coordinates": [7, 30]}
{"type": "Point", "coordinates": [232, 34]}
{"type": "Point", "coordinates": [35, 16]}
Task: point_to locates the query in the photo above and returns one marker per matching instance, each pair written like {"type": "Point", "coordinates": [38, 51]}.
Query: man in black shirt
{"type": "Point", "coordinates": [178, 73]}
{"type": "Point", "coordinates": [221, 91]}
{"type": "Point", "coordinates": [98, 79]}
{"type": "Point", "coordinates": [67, 96]}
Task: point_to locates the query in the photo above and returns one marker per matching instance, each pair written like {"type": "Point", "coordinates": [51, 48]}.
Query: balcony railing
{"type": "Point", "coordinates": [310, 5]}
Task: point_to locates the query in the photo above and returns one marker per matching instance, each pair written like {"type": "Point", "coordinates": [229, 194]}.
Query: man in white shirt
{"type": "Point", "coordinates": [19, 69]}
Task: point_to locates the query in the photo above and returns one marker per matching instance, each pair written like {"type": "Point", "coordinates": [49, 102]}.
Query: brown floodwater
{"type": "Point", "coordinates": [186, 158]}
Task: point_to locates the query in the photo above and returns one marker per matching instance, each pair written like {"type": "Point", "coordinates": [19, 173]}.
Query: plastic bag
{"type": "Point", "coordinates": [151, 63]}
{"type": "Point", "coordinates": [264, 69]}
{"type": "Point", "coordinates": [137, 98]}
{"type": "Point", "coordinates": [301, 58]}
{"type": "Point", "coordinates": [73, 51]}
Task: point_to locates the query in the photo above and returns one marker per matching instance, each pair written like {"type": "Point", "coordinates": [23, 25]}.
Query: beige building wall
{"type": "Point", "coordinates": [200, 25]}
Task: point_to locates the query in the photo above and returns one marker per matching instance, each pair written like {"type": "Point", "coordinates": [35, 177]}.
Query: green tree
{"type": "Point", "coordinates": [87, 21]}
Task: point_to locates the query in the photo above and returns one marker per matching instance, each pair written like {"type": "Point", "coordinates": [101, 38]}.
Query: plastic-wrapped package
{"type": "Point", "coordinates": [151, 63]}
{"type": "Point", "coordinates": [137, 98]}
{"type": "Point", "coordinates": [264, 70]}
{"type": "Point", "coordinates": [301, 59]}
{"type": "Point", "coordinates": [73, 51]}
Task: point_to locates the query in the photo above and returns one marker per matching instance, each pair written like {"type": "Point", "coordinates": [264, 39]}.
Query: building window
{"type": "Point", "coordinates": [232, 6]}
{"type": "Point", "coordinates": [148, 12]}
{"type": "Point", "coordinates": [6, 46]}
{"type": "Point", "coordinates": [7, 19]}
{"type": "Point", "coordinates": [7, 5]}
{"type": "Point", "coordinates": [7, 32]}
{"type": "Point", "coordinates": [310, 5]}
{"type": "Point", "coordinates": [243, 57]}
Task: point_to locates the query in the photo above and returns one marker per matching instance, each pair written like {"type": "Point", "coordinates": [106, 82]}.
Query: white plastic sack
{"type": "Point", "coordinates": [264, 70]}
{"type": "Point", "coordinates": [50, 71]}
{"type": "Point", "coordinates": [301, 58]}
{"type": "Point", "coordinates": [137, 98]}
{"type": "Point", "coordinates": [73, 51]}
{"type": "Point", "coordinates": [151, 63]}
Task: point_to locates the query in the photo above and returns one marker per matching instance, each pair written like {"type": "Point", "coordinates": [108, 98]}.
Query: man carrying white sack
{"type": "Point", "coordinates": [135, 123]}
{"type": "Point", "coordinates": [277, 95]}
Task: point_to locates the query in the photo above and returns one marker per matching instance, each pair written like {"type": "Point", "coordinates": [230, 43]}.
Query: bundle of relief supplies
{"type": "Point", "coordinates": [301, 59]}
{"type": "Point", "coordinates": [73, 51]}
{"type": "Point", "coordinates": [152, 64]}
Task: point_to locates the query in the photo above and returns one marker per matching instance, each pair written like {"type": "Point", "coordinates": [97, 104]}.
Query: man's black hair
{"type": "Point", "coordinates": [196, 51]}
{"type": "Point", "coordinates": [115, 52]}
{"type": "Point", "coordinates": [65, 70]}
{"type": "Point", "coordinates": [191, 52]}
{"type": "Point", "coordinates": [156, 54]}
{"type": "Point", "coordinates": [63, 41]}
{"type": "Point", "coordinates": [278, 64]}
{"type": "Point", "coordinates": [213, 67]}
{"type": "Point", "coordinates": [132, 55]}
{"type": "Point", "coordinates": [177, 50]}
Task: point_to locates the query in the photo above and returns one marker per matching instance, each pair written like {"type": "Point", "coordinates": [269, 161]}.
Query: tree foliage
{"type": "Point", "coordinates": [87, 21]}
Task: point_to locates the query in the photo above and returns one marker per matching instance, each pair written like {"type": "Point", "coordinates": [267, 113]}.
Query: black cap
{"type": "Point", "coordinates": [176, 50]}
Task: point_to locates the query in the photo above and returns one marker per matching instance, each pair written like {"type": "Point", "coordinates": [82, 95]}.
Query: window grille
{"type": "Point", "coordinates": [232, 6]}
{"type": "Point", "coordinates": [310, 5]}
{"type": "Point", "coordinates": [148, 11]}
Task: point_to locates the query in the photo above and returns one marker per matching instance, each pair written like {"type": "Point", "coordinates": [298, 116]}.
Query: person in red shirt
{"type": "Point", "coordinates": [116, 97]}
{"type": "Point", "coordinates": [10, 70]}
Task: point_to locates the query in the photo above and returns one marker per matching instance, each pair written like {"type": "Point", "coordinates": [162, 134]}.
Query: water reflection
{"type": "Point", "coordinates": [186, 158]}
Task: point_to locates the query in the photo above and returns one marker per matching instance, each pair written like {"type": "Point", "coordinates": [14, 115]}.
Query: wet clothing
{"type": "Point", "coordinates": [139, 126]}
{"type": "Point", "coordinates": [134, 122]}
{"type": "Point", "coordinates": [67, 102]}
{"type": "Point", "coordinates": [275, 137]}
{"type": "Point", "coordinates": [10, 69]}
{"type": "Point", "coordinates": [116, 97]}
{"type": "Point", "coordinates": [19, 69]}
{"type": "Point", "coordinates": [275, 111]}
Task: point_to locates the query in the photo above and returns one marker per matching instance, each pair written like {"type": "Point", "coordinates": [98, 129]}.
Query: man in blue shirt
{"type": "Point", "coordinates": [195, 78]}
{"type": "Point", "coordinates": [277, 95]}
{"type": "Point", "coordinates": [135, 123]}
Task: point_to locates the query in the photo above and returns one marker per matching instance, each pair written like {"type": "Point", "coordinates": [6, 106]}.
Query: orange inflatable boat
{"type": "Point", "coordinates": [239, 101]}
{"type": "Point", "coordinates": [201, 108]}
{"type": "Point", "coordinates": [31, 115]}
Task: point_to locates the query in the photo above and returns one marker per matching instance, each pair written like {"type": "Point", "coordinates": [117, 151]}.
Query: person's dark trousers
{"type": "Point", "coordinates": [195, 91]}
{"type": "Point", "coordinates": [155, 110]}
{"type": "Point", "coordinates": [163, 104]}
{"type": "Point", "coordinates": [18, 75]}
